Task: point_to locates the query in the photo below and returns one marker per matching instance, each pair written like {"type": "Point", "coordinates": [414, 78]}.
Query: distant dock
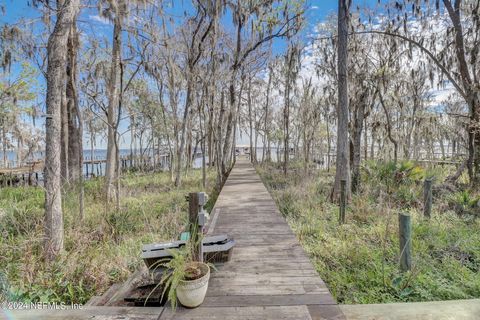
{"type": "Point", "coordinates": [31, 173]}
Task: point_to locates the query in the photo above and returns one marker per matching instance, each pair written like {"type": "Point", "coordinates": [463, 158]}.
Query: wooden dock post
{"type": "Point", "coordinates": [427, 198]}
{"type": "Point", "coordinates": [193, 224]}
{"type": "Point", "coordinates": [197, 219]}
{"type": "Point", "coordinates": [405, 233]}
{"type": "Point", "coordinates": [343, 200]}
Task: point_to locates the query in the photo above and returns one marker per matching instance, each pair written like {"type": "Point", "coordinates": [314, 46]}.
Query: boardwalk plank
{"type": "Point", "coordinates": [258, 279]}
{"type": "Point", "coordinates": [240, 313]}
{"type": "Point", "coordinates": [270, 300]}
{"type": "Point", "coordinates": [268, 274]}
{"type": "Point", "coordinates": [90, 313]}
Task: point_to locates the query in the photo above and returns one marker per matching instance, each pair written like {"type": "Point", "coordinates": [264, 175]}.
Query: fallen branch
{"type": "Point", "coordinates": [450, 184]}
{"type": "Point", "coordinates": [453, 178]}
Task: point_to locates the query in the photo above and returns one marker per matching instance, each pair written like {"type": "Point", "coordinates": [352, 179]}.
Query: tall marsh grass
{"type": "Point", "coordinates": [359, 260]}
{"type": "Point", "coordinates": [101, 250]}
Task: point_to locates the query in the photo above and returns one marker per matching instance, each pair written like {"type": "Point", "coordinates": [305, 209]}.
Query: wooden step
{"type": "Point", "coordinates": [135, 280]}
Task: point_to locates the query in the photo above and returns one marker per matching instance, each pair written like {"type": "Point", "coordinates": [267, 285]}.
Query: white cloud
{"type": "Point", "coordinates": [314, 7]}
{"type": "Point", "coordinates": [97, 18]}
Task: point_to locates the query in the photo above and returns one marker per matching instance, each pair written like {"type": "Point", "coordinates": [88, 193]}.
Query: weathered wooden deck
{"type": "Point", "coordinates": [269, 276]}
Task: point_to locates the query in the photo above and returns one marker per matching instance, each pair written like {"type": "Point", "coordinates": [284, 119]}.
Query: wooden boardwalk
{"type": "Point", "coordinates": [269, 276]}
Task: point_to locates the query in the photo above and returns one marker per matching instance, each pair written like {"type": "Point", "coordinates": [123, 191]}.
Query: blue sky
{"type": "Point", "coordinates": [89, 22]}
{"type": "Point", "coordinates": [317, 11]}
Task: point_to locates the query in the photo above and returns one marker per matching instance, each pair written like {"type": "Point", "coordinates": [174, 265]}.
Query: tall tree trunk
{"type": "Point", "coordinates": [357, 138]}
{"type": "Point", "coordinates": [193, 153]}
{"type": "Point", "coordinates": [474, 140]}
{"type": "Point", "coordinates": [64, 139]}
{"type": "Point", "coordinates": [113, 100]}
{"type": "Point", "coordinates": [57, 56]}
{"type": "Point", "coordinates": [279, 146]}
{"type": "Point", "coordinates": [174, 105]}
{"type": "Point", "coordinates": [286, 111]}
{"type": "Point", "coordinates": [75, 122]}
{"type": "Point", "coordinates": [342, 161]}
{"type": "Point", "coordinates": [442, 146]}
{"type": "Point", "coordinates": [202, 124]}
{"type": "Point", "coordinates": [169, 140]}
{"type": "Point", "coordinates": [372, 144]}
{"type": "Point", "coordinates": [329, 144]}
{"type": "Point", "coordinates": [255, 143]}
{"type": "Point", "coordinates": [219, 157]}
{"type": "Point", "coordinates": [266, 128]}
{"type": "Point", "coordinates": [250, 122]}
{"type": "Point", "coordinates": [411, 129]}
{"type": "Point", "coordinates": [4, 145]}
{"type": "Point", "coordinates": [305, 151]}
{"type": "Point", "coordinates": [389, 128]}
{"type": "Point", "coordinates": [183, 132]}
{"type": "Point", "coordinates": [233, 154]}
{"type": "Point", "coordinates": [365, 139]}
{"type": "Point", "coordinates": [269, 149]}
{"type": "Point", "coordinates": [92, 151]}
{"type": "Point", "coordinates": [190, 152]}
{"type": "Point", "coordinates": [228, 131]}
{"type": "Point", "coordinates": [74, 141]}
{"type": "Point", "coordinates": [231, 92]}
{"type": "Point", "coordinates": [210, 130]}
{"type": "Point", "coordinates": [153, 152]}
{"type": "Point", "coordinates": [140, 147]}
{"type": "Point", "coordinates": [74, 138]}
{"type": "Point", "coordinates": [229, 143]}
{"type": "Point", "coordinates": [117, 171]}
{"type": "Point", "coordinates": [132, 136]}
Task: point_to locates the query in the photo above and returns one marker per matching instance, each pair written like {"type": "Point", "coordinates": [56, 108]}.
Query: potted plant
{"type": "Point", "coordinates": [184, 278]}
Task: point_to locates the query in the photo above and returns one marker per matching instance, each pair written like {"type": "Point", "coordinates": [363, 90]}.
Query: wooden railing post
{"type": "Point", "coordinates": [343, 200]}
{"type": "Point", "coordinates": [405, 233]}
{"type": "Point", "coordinates": [197, 218]}
{"type": "Point", "coordinates": [427, 198]}
{"type": "Point", "coordinates": [193, 222]}
{"type": "Point", "coordinates": [202, 221]}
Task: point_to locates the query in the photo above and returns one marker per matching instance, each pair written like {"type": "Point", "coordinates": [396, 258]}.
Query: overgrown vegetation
{"type": "Point", "coordinates": [101, 250]}
{"type": "Point", "coordinates": [359, 260]}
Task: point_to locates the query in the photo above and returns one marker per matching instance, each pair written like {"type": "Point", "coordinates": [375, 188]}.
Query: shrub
{"type": "Point", "coordinates": [464, 202]}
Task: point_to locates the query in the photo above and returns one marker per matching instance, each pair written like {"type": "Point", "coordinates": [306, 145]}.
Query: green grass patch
{"type": "Point", "coordinates": [359, 260]}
